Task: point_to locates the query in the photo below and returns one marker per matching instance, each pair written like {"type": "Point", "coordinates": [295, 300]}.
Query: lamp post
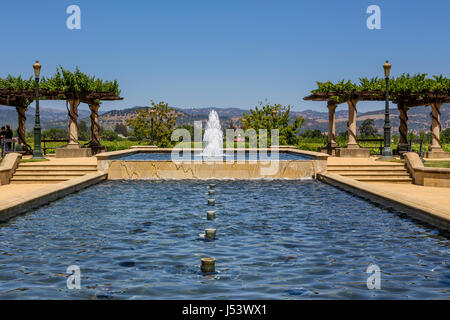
{"type": "Point", "coordinates": [274, 114]}
{"type": "Point", "coordinates": [37, 152]}
{"type": "Point", "coordinates": [387, 152]}
{"type": "Point", "coordinates": [152, 117]}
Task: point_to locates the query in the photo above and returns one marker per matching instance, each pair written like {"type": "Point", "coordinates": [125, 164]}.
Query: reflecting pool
{"type": "Point", "coordinates": [275, 240]}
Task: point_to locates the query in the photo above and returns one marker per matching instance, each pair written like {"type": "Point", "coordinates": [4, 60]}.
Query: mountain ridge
{"type": "Point", "coordinates": [419, 117]}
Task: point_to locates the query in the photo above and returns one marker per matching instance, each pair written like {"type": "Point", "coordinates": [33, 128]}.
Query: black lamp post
{"type": "Point", "coordinates": [152, 117]}
{"type": "Point", "coordinates": [274, 114]}
{"type": "Point", "coordinates": [37, 152]}
{"type": "Point", "coordinates": [387, 152]}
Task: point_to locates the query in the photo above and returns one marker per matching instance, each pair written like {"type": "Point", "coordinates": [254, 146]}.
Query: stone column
{"type": "Point", "coordinates": [403, 129]}
{"type": "Point", "coordinates": [352, 143]}
{"type": "Point", "coordinates": [95, 140]}
{"type": "Point", "coordinates": [332, 125]}
{"type": "Point", "coordinates": [435, 128]}
{"type": "Point", "coordinates": [73, 124]}
{"type": "Point", "coordinates": [21, 131]}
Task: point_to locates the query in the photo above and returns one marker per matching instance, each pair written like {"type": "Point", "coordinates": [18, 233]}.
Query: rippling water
{"type": "Point", "coordinates": [166, 156]}
{"type": "Point", "coordinates": [275, 240]}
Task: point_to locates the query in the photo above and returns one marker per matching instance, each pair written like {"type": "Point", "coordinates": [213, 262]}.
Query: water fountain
{"type": "Point", "coordinates": [213, 138]}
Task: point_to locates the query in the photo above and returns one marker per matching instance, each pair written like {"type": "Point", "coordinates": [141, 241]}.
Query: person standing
{"type": "Point", "coordinates": [2, 136]}
{"type": "Point", "coordinates": [9, 134]}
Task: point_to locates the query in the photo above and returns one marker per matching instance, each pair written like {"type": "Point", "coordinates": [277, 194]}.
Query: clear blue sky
{"type": "Point", "coordinates": [225, 53]}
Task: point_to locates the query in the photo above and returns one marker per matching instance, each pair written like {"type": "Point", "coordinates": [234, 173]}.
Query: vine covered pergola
{"type": "Point", "coordinates": [73, 87]}
{"type": "Point", "coordinates": [406, 91]}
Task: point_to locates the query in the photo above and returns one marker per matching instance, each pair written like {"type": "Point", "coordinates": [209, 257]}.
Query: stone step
{"type": "Point", "coordinates": [375, 174]}
{"type": "Point", "coordinates": [25, 166]}
{"type": "Point", "coordinates": [368, 171]}
{"type": "Point", "coordinates": [52, 171]}
{"type": "Point", "coordinates": [385, 179]}
{"type": "Point", "coordinates": [37, 180]}
{"type": "Point", "coordinates": [52, 174]}
{"type": "Point", "coordinates": [371, 172]}
{"type": "Point", "coordinates": [364, 168]}
{"type": "Point", "coordinates": [331, 168]}
{"type": "Point", "coordinates": [362, 177]}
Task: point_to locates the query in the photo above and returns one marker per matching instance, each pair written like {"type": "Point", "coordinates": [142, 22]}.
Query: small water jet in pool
{"type": "Point", "coordinates": [213, 138]}
{"type": "Point", "coordinates": [212, 186]}
{"type": "Point", "coordinates": [211, 215]}
{"type": "Point", "coordinates": [211, 202]}
{"type": "Point", "coordinates": [210, 234]}
{"type": "Point", "coordinates": [208, 265]}
{"type": "Point", "coordinates": [211, 192]}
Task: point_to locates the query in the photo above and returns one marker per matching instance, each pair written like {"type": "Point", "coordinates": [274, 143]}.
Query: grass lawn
{"type": "Point", "coordinates": [33, 160]}
{"type": "Point", "coordinates": [437, 164]}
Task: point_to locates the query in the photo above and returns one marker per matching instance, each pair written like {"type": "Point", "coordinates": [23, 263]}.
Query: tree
{"type": "Point", "coordinates": [55, 134]}
{"type": "Point", "coordinates": [121, 129]}
{"type": "Point", "coordinates": [367, 129]}
{"type": "Point", "coordinates": [445, 136]}
{"type": "Point", "coordinates": [312, 134]}
{"type": "Point", "coordinates": [83, 131]}
{"type": "Point", "coordinates": [276, 116]}
{"type": "Point", "coordinates": [164, 123]}
{"type": "Point", "coordinates": [110, 135]}
{"type": "Point", "coordinates": [189, 128]}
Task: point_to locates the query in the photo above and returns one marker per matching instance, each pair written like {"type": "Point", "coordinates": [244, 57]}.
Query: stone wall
{"type": "Point", "coordinates": [421, 175]}
{"type": "Point", "coordinates": [284, 169]}
{"type": "Point", "coordinates": [134, 170]}
{"type": "Point", "coordinates": [8, 166]}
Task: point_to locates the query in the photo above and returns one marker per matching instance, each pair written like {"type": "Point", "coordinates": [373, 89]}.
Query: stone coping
{"type": "Point", "coordinates": [433, 170]}
{"type": "Point", "coordinates": [430, 213]}
{"type": "Point", "coordinates": [8, 166]}
{"type": "Point", "coordinates": [137, 149]}
{"type": "Point", "coordinates": [414, 162]}
{"type": "Point", "coordinates": [32, 200]}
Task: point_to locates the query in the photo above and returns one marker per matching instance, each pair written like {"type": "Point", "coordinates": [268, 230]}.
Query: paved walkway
{"type": "Point", "coordinates": [14, 190]}
{"type": "Point", "coordinates": [433, 198]}
{"type": "Point", "coordinates": [437, 196]}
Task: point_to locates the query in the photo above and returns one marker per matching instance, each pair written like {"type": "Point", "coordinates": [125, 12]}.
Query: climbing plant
{"type": "Point", "coordinates": [63, 80]}
{"type": "Point", "coordinates": [398, 86]}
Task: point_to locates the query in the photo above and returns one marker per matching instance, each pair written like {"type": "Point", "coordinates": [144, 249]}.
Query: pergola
{"type": "Point", "coordinates": [404, 102]}
{"type": "Point", "coordinates": [21, 99]}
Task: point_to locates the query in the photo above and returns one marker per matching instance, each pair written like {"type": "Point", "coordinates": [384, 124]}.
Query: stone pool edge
{"type": "Point", "coordinates": [117, 169]}
{"type": "Point", "coordinates": [433, 215]}
{"type": "Point", "coordinates": [24, 203]}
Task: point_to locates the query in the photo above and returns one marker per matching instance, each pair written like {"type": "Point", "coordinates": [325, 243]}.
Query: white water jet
{"type": "Point", "coordinates": [213, 137]}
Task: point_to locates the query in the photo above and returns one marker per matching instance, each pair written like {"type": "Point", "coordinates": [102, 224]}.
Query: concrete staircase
{"type": "Point", "coordinates": [42, 173]}
{"type": "Point", "coordinates": [379, 171]}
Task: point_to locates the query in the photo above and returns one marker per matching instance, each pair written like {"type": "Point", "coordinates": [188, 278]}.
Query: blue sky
{"type": "Point", "coordinates": [225, 53]}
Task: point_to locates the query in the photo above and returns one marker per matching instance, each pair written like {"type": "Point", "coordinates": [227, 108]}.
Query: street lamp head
{"type": "Point", "coordinates": [387, 69]}
{"type": "Point", "coordinates": [152, 112]}
{"type": "Point", "coordinates": [37, 69]}
{"type": "Point", "coordinates": [274, 112]}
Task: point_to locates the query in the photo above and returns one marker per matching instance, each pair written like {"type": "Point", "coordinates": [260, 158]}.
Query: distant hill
{"type": "Point", "coordinates": [419, 117]}
{"type": "Point", "coordinates": [188, 116]}
{"type": "Point", "coordinates": [49, 117]}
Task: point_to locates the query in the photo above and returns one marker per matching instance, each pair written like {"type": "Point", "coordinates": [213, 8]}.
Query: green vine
{"type": "Point", "coordinates": [400, 86]}
{"type": "Point", "coordinates": [63, 80]}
